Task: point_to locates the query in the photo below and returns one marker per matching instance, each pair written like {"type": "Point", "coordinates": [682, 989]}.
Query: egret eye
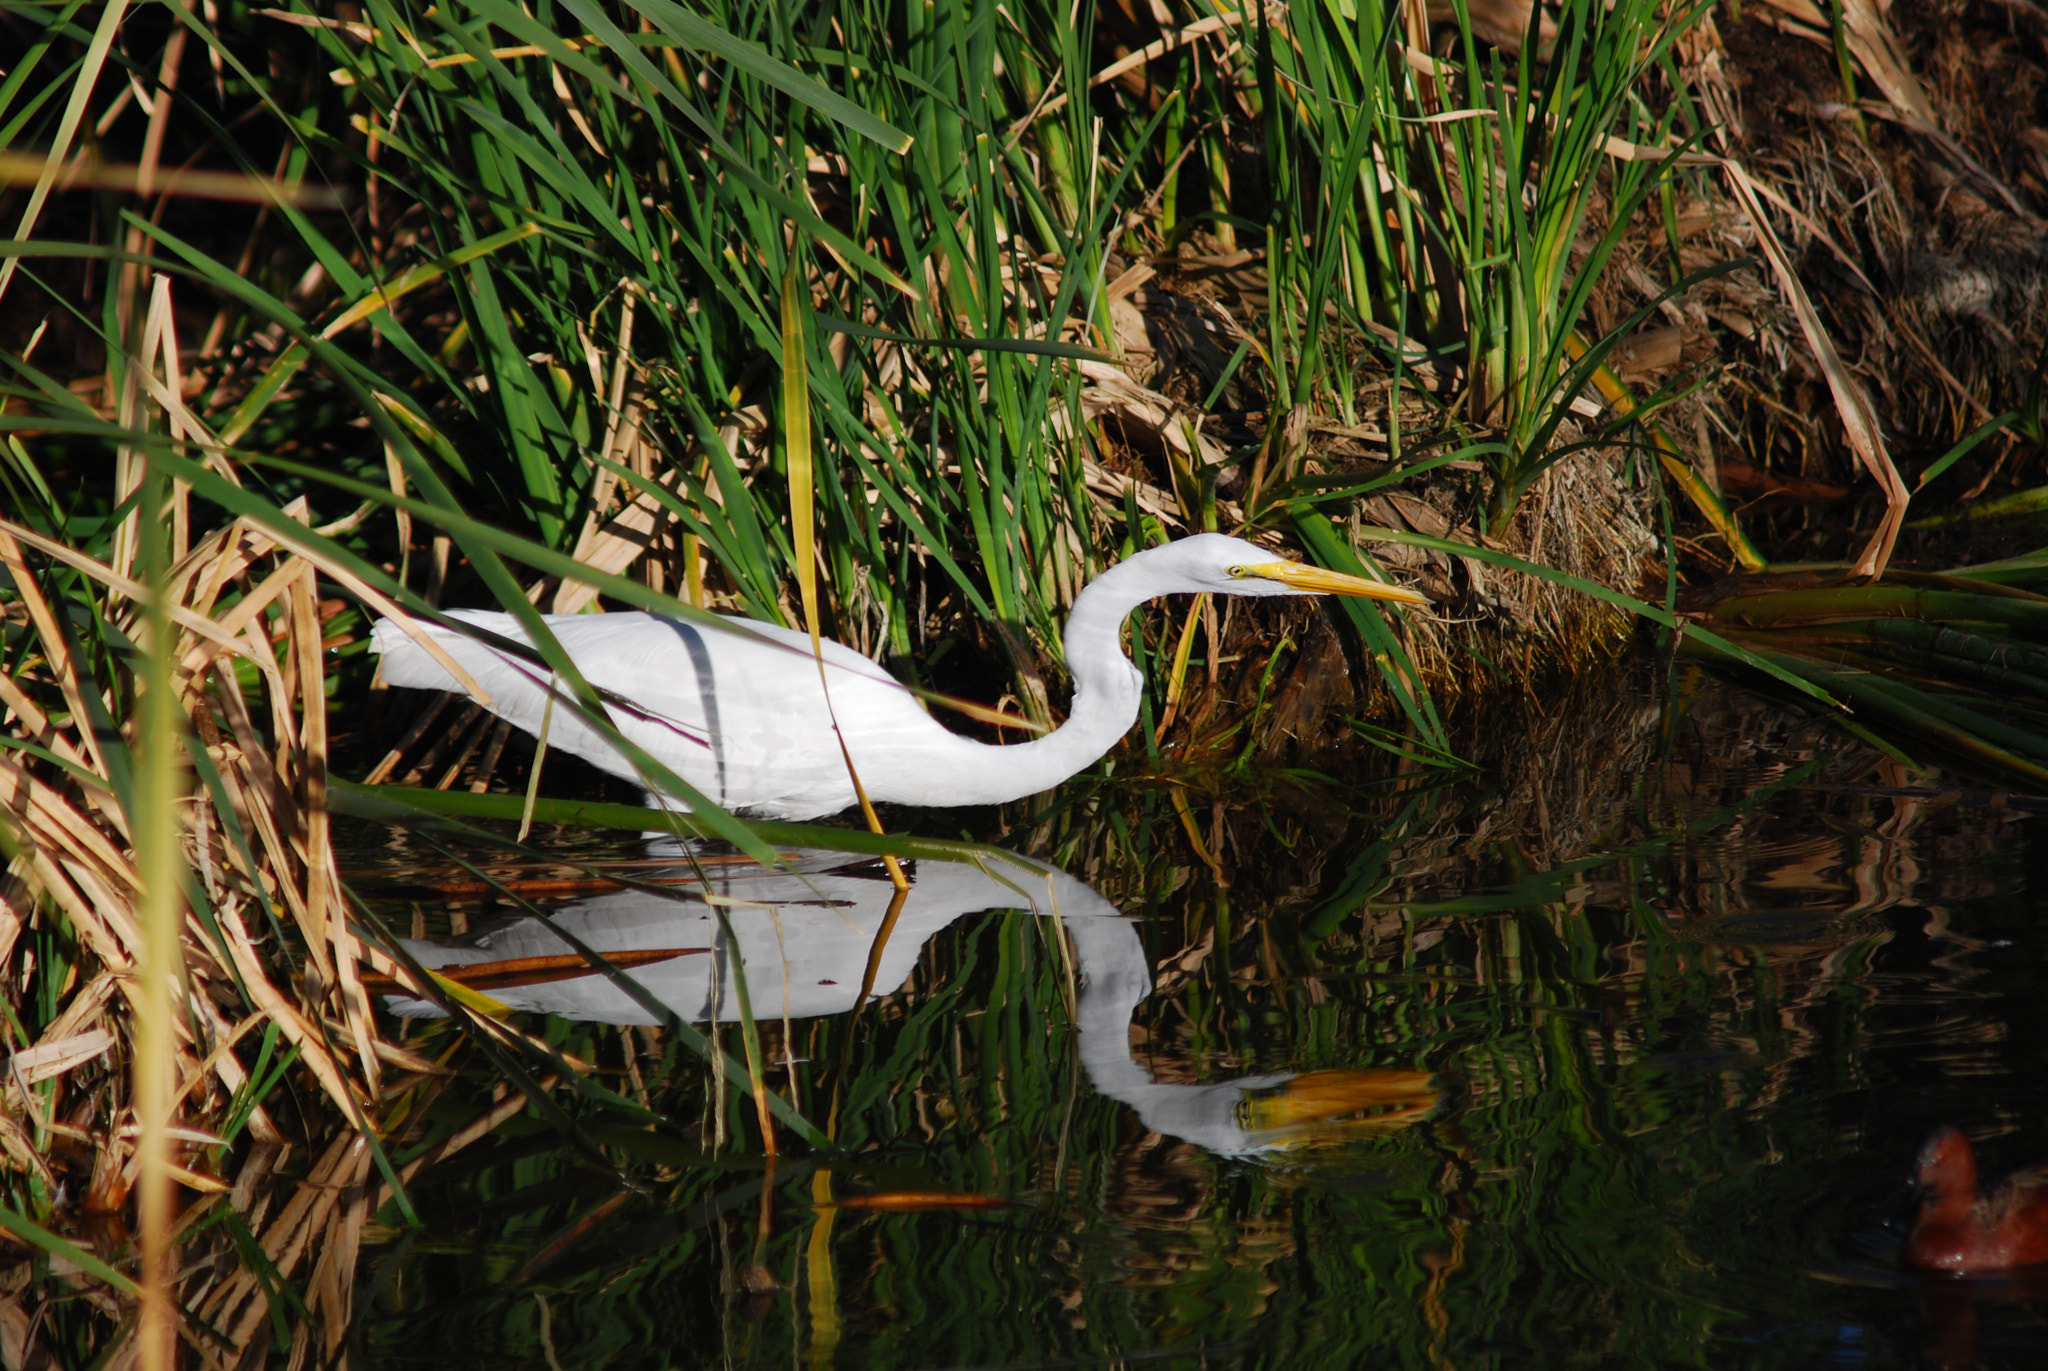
{"type": "Point", "coordinates": [1234, 571]}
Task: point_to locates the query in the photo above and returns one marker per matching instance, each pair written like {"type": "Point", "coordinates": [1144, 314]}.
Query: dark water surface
{"type": "Point", "coordinates": [1615, 1054]}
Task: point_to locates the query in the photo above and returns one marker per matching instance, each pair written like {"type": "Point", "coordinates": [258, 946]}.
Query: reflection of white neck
{"type": "Point", "coordinates": [1116, 981]}
{"type": "Point", "coordinates": [803, 940]}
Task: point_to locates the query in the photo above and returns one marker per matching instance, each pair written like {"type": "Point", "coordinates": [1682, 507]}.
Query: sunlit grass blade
{"type": "Point", "coordinates": [74, 112]}
{"type": "Point", "coordinates": [159, 859]}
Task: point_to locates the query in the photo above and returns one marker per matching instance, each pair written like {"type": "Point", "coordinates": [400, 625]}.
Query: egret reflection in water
{"type": "Point", "coordinates": [804, 937]}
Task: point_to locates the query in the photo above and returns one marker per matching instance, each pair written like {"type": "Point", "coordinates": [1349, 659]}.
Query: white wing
{"type": "Point", "coordinates": [734, 710]}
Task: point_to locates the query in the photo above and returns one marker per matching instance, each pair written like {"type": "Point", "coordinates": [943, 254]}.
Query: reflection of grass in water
{"type": "Point", "coordinates": [1586, 1187]}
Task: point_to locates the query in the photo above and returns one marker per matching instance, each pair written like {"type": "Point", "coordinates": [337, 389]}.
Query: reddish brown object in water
{"type": "Point", "coordinates": [524, 971]}
{"type": "Point", "coordinates": [1960, 1231]}
{"type": "Point", "coordinates": [917, 1201]}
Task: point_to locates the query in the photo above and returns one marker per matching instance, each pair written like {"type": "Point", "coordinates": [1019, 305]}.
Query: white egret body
{"type": "Point", "coordinates": [739, 712]}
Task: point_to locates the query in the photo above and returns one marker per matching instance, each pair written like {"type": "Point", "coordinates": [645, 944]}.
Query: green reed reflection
{"type": "Point", "coordinates": [1679, 1071]}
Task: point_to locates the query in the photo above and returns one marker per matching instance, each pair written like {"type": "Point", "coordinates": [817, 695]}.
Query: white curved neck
{"type": "Point", "coordinates": [1107, 693]}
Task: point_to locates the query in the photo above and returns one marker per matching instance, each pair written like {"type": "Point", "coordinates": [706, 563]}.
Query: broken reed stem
{"type": "Point", "coordinates": [540, 755]}
{"type": "Point", "coordinates": [159, 858]}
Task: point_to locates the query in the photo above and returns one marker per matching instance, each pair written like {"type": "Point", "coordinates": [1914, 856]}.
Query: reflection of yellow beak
{"type": "Point", "coordinates": [1319, 1106]}
{"type": "Point", "coordinates": [1303, 577]}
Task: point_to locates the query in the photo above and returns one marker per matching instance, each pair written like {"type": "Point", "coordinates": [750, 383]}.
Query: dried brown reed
{"type": "Point", "coordinates": [189, 850]}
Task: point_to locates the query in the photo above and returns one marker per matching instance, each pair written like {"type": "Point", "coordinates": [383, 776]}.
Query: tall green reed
{"type": "Point", "coordinates": [1470, 202]}
{"type": "Point", "coordinates": [940, 454]}
{"type": "Point", "coordinates": [947, 458]}
{"type": "Point", "coordinates": [560, 285]}
{"type": "Point", "coordinates": [160, 751]}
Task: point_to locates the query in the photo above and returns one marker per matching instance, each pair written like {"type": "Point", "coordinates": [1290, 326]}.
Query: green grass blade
{"type": "Point", "coordinates": [42, 1239]}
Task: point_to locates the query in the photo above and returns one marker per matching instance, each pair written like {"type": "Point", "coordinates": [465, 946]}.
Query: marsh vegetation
{"type": "Point", "coordinates": [1625, 330]}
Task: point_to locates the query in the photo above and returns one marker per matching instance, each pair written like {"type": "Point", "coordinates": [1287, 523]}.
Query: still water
{"type": "Point", "coordinates": [1613, 1052]}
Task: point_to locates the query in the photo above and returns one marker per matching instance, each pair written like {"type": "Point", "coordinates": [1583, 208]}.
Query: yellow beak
{"type": "Point", "coordinates": [1328, 1106]}
{"type": "Point", "coordinates": [1303, 577]}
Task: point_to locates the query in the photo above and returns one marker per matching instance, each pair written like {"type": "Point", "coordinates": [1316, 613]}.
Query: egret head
{"type": "Point", "coordinates": [1231, 566]}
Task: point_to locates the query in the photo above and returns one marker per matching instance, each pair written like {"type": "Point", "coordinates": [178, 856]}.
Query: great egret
{"type": "Point", "coordinates": [808, 961]}
{"type": "Point", "coordinates": [739, 713]}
